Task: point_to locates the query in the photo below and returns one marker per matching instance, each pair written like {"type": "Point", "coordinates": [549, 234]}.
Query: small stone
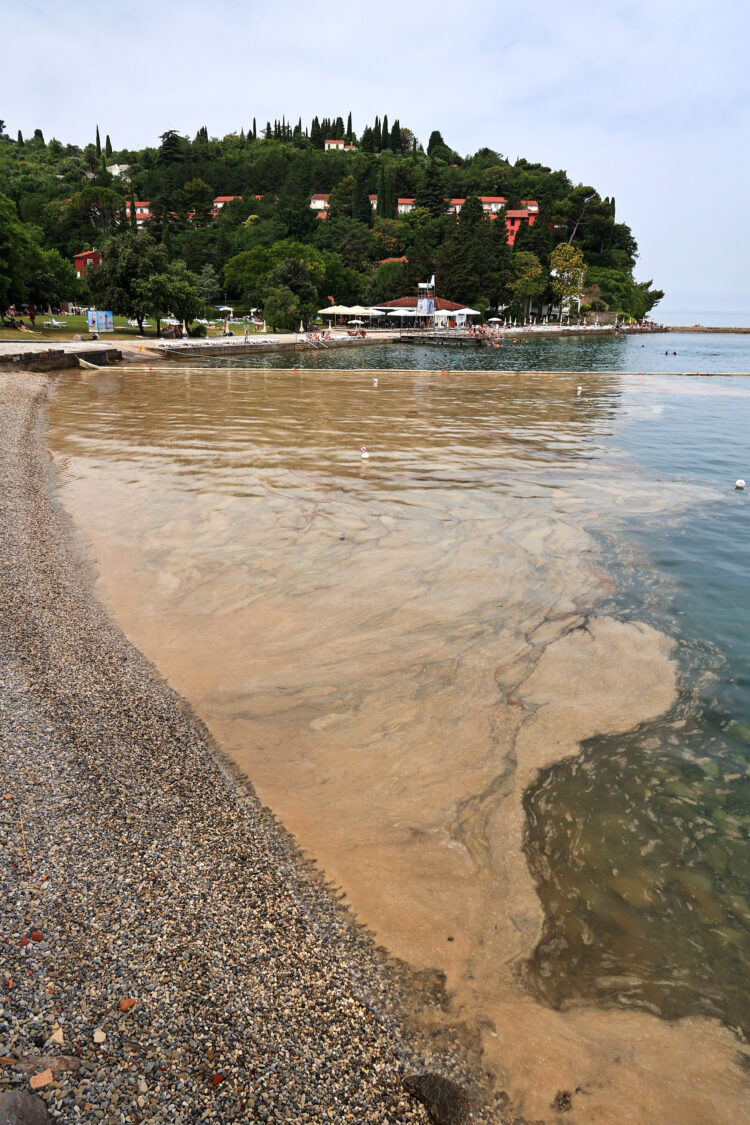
{"type": "Point", "coordinates": [216, 1079]}
{"type": "Point", "coordinates": [127, 1004]}
{"type": "Point", "coordinates": [42, 1079]}
{"type": "Point", "coordinates": [57, 1036]}
{"type": "Point", "coordinates": [37, 935]}
{"type": "Point", "coordinates": [100, 1036]}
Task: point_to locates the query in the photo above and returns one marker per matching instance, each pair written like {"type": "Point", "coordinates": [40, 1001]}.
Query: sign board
{"type": "Point", "coordinates": [101, 321]}
{"type": "Point", "coordinates": [426, 306]}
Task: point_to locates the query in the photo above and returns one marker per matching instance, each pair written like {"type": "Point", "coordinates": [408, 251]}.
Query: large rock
{"type": "Point", "coordinates": [23, 1109]}
{"type": "Point", "coordinates": [445, 1102]}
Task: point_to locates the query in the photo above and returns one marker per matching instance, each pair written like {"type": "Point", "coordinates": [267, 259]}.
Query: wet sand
{"type": "Point", "coordinates": [391, 652]}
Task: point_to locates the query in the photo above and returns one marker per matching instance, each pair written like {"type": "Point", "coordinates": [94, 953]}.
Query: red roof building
{"type": "Point", "coordinates": [86, 258]}
{"type": "Point", "coordinates": [142, 211]}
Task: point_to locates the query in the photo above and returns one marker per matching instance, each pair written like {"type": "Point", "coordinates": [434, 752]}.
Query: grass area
{"type": "Point", "coordinates": [79, 325]}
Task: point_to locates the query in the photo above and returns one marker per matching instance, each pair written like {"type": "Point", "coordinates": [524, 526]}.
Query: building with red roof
{"type": "Point", "coordinates": [86, 258]}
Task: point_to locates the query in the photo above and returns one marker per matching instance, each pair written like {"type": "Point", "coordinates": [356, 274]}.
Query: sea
{"type": "Point", "coordinates": [340, 617]}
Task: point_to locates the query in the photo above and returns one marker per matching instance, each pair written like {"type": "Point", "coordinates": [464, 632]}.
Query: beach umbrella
{"type": "Point", "coordinates": [468, 312]}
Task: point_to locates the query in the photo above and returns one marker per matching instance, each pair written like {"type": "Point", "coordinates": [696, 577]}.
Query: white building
{"type": "Point", "coordinates": [338, 146]}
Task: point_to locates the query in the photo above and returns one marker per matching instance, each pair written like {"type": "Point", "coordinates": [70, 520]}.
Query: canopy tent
{"type": "Point", "coordinates": [375, 312]}
{"type": "Point", "coordinates": [402, 312]}
{"type": "Point", "coordinates": [335, 310]}
{"type": "Point", "coordinates": [467, 312]}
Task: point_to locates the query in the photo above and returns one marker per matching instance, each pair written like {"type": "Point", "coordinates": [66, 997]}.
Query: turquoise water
{"type": "Point", "coordinates": [640, 847]}
{"type": "Point", "coordinates": [647, 352]}
{"type": "Point", "coordinates": [645, 886]}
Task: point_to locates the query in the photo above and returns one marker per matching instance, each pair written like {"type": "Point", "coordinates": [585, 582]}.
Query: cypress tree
{"type": "Point", "coordinates": [348, 137]}
{"type": "Point", "coordinates": [396, 136]}
{"type": "Point", "coordinates": [19, 139]}
{"type": "Point", "coordinates": [98, 144]}
{"type": "Point", "coordinates": [269, 131]}
{"type": "Point", "coordinates": [385, 137]}
{"type": "Point", "coordinates": [361, 206]}
{"type": "Point", "coordinates": [255, 130]}
{"type": "Point", "coordinates": [376, 136]}
{"type": "Point", "coordinates": [431, 190]}
{"type": "Point", "coordinates": [242, 136]}
{"type": "Point", "coordinates": [339, 130]}
{"type": "Point", "coordinates": [108, 147]}
{"type": "Point", "coordinates": [133, 220]}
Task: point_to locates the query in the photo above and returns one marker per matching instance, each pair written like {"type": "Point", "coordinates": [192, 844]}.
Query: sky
{"type": "Point", "coordinates": [646, 101]}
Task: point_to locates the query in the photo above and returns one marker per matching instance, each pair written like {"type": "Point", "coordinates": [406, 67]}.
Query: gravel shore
{"type": "Point", "coordinates": [165, 952]}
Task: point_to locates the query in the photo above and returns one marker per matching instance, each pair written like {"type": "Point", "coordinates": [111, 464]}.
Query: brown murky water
{"type": "Point", "coordinates": [391, 649]}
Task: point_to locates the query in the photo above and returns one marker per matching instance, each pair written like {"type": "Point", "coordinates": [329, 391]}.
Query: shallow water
{"type": "Point", "coordinates": [392, 648]}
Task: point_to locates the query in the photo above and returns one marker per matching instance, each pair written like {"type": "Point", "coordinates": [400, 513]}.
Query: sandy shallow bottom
{"type": "Point", "coordinates": [391, 660]}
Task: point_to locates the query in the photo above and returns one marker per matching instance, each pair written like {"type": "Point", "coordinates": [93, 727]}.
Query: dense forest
{"type": "Point", "coordinates": [265, 247]}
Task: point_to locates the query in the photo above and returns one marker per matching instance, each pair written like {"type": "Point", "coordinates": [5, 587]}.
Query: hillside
{"type": "Point", "coordinates": [287, 219]}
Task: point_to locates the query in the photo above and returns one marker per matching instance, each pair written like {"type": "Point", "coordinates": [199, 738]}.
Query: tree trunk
{"type": "Point", "coordinates": [158, 326]}
{"type": "Point", "coordinates": [140, 325]}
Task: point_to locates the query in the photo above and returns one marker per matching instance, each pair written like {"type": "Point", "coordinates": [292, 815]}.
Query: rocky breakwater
{"type": "Point", "coordinates": [165, 953]}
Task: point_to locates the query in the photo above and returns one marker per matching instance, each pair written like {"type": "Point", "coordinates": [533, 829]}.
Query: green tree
{"type": "Point", "coordinates": [431, 189]}
{"type": "Point", "coordinates": [568, 271]}
{"type": "Point", "coordinates": [281, 308]}
{"type": "Point", "coordinates": [128, 260]}
{"type": "Point", "coordinates": [18, 246]}
{"type": "Point", "coordinates": [98, 144]}
{"type": "Point", "coordinates": [172, 147]}
{"type": "Point", "coordinates": [208, 285]}
{"type": "Point", "coordinates": [341, 197]}
{"type": "Point", "coordinates": [529, 280]}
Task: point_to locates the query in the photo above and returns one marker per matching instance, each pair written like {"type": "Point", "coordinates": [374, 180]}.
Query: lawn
{"type": "Point", "coordinates": [79, 325]}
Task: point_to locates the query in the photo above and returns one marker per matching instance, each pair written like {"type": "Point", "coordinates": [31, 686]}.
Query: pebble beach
{"type": "Point", "coordinates": [166, 953]}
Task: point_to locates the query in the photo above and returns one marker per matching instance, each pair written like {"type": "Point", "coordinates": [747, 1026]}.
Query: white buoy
{"type": "Point", "coordinates": [363, 451]}
{"type": "Point", "coordinates": [739, 484]}
{"type": "Point", "coordinates": [579, 390]}
{"type": "Point", "coordinates": [375, 382]}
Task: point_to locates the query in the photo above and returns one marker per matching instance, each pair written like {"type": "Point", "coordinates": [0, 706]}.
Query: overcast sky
{"type": "Point", "coordinates": [646, 100]}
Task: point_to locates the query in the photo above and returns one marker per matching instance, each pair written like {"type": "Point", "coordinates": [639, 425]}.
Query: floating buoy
{"type": "Point", "coordinates": [443, 372]}
{"type": "Point", "coordinates": [579, 390]}
{"type": "Point", "coordinates": [739, 484]}
{"type": "Point", "coordinates": [363, 451]}
{"type": "Point", "coordinates": [295, 370]}
{"type": "Point", "coordinates": [375, 382]}
{"type": "Point", "coordinates": [141, 349]}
